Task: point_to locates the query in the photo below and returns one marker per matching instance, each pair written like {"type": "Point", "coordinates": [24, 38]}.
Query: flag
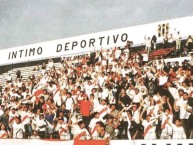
{"type": "Point", "coordinates": [40, 91]}
{"type": "Point", "coordinates": [91, 142]}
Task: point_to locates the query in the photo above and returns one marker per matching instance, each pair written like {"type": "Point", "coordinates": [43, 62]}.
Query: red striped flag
{"type": "Point", "coordinates": [3, 135]}
{"type": "Point", "coordinates": [40, 91]}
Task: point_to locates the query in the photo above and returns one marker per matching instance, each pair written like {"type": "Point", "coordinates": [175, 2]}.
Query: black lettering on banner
{"type": "Point", "coordinates": [92, 41]}
{"type": "Point", "coordinates": [59, 48]}
{"type": "Point", "coordinates": [163, 29]}
{"type": "Point", "coordinates": [190, 143]}
{"type": "Point", "coordinates": [167, 29]}
{"type": "Point", "coordinates": [32, 50]}
{"type": "Point", "coordinates": [9, 55]}
{"type": "Point", "coordinates": [83, 43]}
{"type": "Point", "coordinates": [21, 53]}
{"type": "Point", "coordinates": [108, 40]}
{"type": "Point", "coordinates": [75, 43]}
{"type": "Point", "coordinates": [26, 52]}
{"type": "Point", "coordinates": [115, 38]}
{"type": "Point", "coordinates": [66, 46]}
{"type": "Point", "coordinates": [124, 37]}
{"type": "Point", "coordinates": [179, 144]}
{"type": "Point", "coordinates": [14, 54]}
{"type": "Point", "coordinates": [39, 50]}
{"type": "Point", "coordinates": [159, 30]}
{"type": "Point", "coordinates": [168, 144]}
{"type": "Point", "coordinates": [101, 40]}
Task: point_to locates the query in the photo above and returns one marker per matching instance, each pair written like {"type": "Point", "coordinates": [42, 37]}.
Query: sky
{"type": "Point", "coordinates": [24, 22]}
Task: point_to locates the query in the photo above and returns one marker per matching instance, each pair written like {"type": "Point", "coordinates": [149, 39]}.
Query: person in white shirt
{"type": "Point", "coordinates": [81, 133]}
{"type": "Point", "coordinates": [137, 97]}
{"type": "Point", "coordinates": [162, 79]}
{"type": "Point", "coordinates": [147, 44]}
{"type": "Point", "coordinates": [178, 40]}
{"type": "Point", "coordinates": [25, 120]}
{"type": "Point", "coordinates": [184, 115]}
{"type": "Point", "coordinates": [12, 114]}
{"type": "Point", "coordinates": [103, 110]}
{"type": "Point", "coordinates": [88, 88]}
{"type": "Point", "coordinates": [9, 78]}
{"type": "Point", "coordinates": [92, 125]}
{"type": "Point", "coordinates": [35, 135]}
{"type": "Point", "coordinates": [69, 102]}
{"type": "Point", "coordinates": [101, 133]}
{"type": "Point", "coordinates": [166, 128]}
{"type": "Point", "coordinates": [4, 133]}
{"type": "Point", "coordinates": [41, 126]}
{"type": "Point", "coordinates": [17, 128]}
{"type": "Point", "coordinates": [117, 53]}
{"type": "Point", "coordinates": [149, 127]}
{"type": "Point", "coordinates": [94, 102]}
{"type": "Point", "coordinates": [102, 78]}
{"type": "Point", "coordinates": [145, 57]}
{"type": "Point", "coordinates": [178, 130]}
{"type": "Point", "coordinates": [62, 129]}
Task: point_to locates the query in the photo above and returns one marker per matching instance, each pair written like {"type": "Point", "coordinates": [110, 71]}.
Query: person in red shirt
{"type": "Point", "coordinates": [85, 108]}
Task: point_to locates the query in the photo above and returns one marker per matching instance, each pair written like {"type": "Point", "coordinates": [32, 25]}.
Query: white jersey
{"type": "Point", "coordinates": [11, 118]}
{"type": "Point", "coordinates": [25, 117]}
{"type": "Point", "coordinates": [103, 110]}
{"type": "Point", "coordinates": [40, 125]}
{"type": "Point", "coordinates": [82, 134]}
{"type": "Point", "coordinates": [92, 126]}
{"type": "Point", "coordinates": [63, 131]}
{"type": "Point", "coordinates": [149, 134]}
{"type": "Point", "coordinates": [178, 132]}
{"type": "Point", "coordinates": [104, 137]}
{"type": "Point", "coordinates": [18, 130]}
{"type": "Point", "coordinates": [69, 104]}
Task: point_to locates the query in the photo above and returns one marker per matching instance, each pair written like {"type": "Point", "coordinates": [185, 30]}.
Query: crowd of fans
{"type": "Point", "coordinates": [106, 95]}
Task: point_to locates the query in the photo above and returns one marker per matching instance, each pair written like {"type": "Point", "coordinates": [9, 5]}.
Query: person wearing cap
{"type": "Point", "coordinates": [63, 129]}
{"type": "Point", "coordinates": [81, 133]}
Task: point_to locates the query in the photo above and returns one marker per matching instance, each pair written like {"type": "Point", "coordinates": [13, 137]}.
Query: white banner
{"type": "Point", "coordinates": [112, 142]}
{"type": "Point", "coordinates": [96, 41]}
{"type": "Point", "coordinates": [179, 59]}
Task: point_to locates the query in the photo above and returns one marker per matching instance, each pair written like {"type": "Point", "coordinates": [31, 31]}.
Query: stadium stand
{"type": "Point", "coordinates": [108, 94]}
